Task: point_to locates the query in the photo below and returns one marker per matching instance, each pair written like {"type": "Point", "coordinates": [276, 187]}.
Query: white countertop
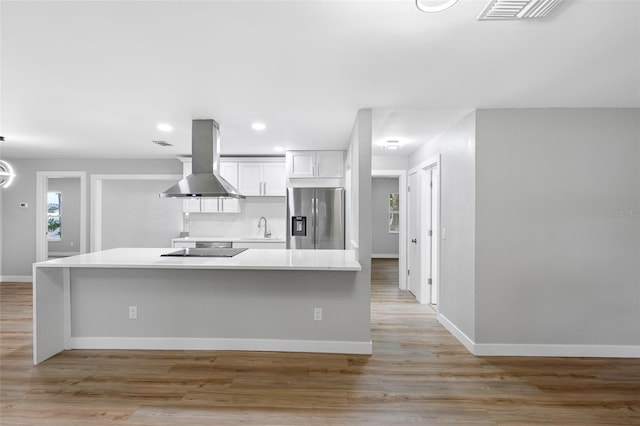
{"type": "Point", "coordinates": [251, 259]}
{"type": "Point", "coordinates": [231, 239]}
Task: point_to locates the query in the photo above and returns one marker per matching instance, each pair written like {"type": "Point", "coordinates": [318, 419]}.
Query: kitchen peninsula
{"type": "Point", "coordinates": [260, 299]}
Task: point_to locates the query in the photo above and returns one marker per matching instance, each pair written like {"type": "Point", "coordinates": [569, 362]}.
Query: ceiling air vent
{"type": "Point", "coordinates": [517, 9]}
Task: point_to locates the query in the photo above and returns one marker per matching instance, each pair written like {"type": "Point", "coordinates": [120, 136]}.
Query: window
{"type": "Point", "coordinates": [394, 213]}
{"type": "Point", "coordinates": [54, 223]}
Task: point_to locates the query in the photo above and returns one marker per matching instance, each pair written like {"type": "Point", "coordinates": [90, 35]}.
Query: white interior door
{"type": "Point", "coordinates": [413, 254]}
{"type": "Point", "coordinates": [427, 246]}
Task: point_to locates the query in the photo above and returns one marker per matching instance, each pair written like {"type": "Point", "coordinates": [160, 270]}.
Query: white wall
{"type": "Point", "coordinates": [70, 215]}
{"type": "Point", "coordinates": [133, 215]}
{"type": "Point", "coordinates": [389, 162]}
{"type": "Point", "coordinates": [558, 226]}
{"type": "Point", "coordinates": [457, 253]}
{"type": "Point", "coordinates": [383, 242]}
{"type": "Point", "coordinates": [1, 236]}
{"type": "Point", "coordinates": [245, 223]}
{"type": "Point", "coordinates": [359, 217]}
{"type": "Point", "coordinates": [19, 239]}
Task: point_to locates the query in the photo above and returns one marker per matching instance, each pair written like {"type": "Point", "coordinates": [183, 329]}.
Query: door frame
{"type": "Point", "coordinates": [434, 164]}
{"type": "Point", "coordinates": [42, 187]}
{"type": "Point", "coordinates": [402, 231]}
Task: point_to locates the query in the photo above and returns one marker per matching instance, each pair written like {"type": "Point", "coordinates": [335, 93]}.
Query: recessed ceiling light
{"type": "Point", "coordinates": [279, 149]}
{"type": "Point", "coordinates": [432, 6]}
{"type": "Point", "coordinates": [258, 126]}
{"type": "Point", "coordinates": [163, 127]}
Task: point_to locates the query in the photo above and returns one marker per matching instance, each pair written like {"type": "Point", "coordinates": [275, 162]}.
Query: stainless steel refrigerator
{"type": "Point", "coordinates": [315, 218]}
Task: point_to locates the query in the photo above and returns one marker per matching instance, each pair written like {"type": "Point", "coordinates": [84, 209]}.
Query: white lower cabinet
{"type": "Point", "coordinates": [235, 244]}
{"type": "Point", "coordinates": [183, 244]}
{"type": "Point", "coordinates": [255, 245]}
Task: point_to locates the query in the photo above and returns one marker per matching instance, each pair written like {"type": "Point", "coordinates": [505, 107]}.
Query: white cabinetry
{"type": "Point", "coordinates": [229, 171]}
{"type": "Point", "coordinates": [260, 245]}
{"type": "Point", "coordinates": [261, 178]}
{"type": "Point", "coordinates": [235, 242]}
{"type": "Point", "coordinates": [184, 244]}
{"type": "Point", "coordinates": [315, 164]}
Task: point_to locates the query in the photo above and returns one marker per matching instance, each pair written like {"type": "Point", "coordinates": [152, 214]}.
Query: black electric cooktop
{"type": "Point", "coordinates": [205, 252]}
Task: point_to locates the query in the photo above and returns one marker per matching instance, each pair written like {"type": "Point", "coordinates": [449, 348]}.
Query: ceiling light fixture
{"type": "Point", "coordinates": [279, 149]}
{"type": "Point", "coordinates": [432, 6]}
{"type": "Point", "coordinates": [163, 127]}
{"type": "Point", "coordinates": [391, 145]}
{"type": "Point", "coordinates": [258, 126]}
{"type": "Point", "coordinates": [6, 174]}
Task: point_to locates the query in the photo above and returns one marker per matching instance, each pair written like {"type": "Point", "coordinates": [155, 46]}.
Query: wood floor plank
{"type": "Point", "coordinates": [418, 374]}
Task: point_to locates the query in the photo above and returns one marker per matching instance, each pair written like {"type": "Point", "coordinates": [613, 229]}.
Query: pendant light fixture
{"type": "Point", "coordinates": [432, 6]}
{"type": "Point", "coordinates": [6, 174]}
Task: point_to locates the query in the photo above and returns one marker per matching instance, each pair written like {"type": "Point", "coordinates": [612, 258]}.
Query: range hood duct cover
{"type": "Point", "coordinates": [205, 180]}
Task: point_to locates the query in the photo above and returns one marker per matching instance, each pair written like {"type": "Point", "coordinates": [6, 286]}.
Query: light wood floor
{"type": "Point", "coordinates": [418, 374]}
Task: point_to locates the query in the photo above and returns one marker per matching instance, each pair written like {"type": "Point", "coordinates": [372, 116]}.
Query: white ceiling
{"type": "Point", "coordinates": [90, 79]}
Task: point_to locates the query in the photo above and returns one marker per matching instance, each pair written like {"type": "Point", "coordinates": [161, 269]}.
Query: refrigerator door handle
{"type": "Point", "coordinates": [314, 216]}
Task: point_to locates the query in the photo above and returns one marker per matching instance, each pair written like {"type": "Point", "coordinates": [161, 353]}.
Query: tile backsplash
{"type": "Point", "coordinates": [243, 224]}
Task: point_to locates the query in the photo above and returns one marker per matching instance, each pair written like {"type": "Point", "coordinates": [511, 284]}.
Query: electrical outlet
{"type": "Point", "coordinates": [133, 312]}
{"type": "Point", "coordinates": [317, 314]}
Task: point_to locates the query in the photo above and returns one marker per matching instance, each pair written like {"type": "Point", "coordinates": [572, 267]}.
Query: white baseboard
{"type": "Point", "coordinates": [15, 278]}
{"type": "Point", "coordinates": [457, 333]}
{"type": "Point", "coordinates": [587, 351]}
{"type": "Point", "coordinates": [269, 345]}
{"type": "Point", "coordinates": [383, 256]}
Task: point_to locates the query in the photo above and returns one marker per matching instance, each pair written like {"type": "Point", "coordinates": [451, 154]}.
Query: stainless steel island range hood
{"type": "Point", "coordinates": [205, 180]}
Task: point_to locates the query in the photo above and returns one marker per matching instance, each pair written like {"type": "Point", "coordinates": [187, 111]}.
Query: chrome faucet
{"type": "Point", "coordinates": [267, 234]}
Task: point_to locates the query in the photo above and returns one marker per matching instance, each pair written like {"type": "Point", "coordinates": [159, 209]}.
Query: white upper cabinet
{"type": "Point", "coordinates": [315, 164]}
{"type": "Point", "coordinates": [275, 180]}
{"type": "Point", "coordinates": [250, 178]}
{"type": "Point", "coordinates": [261, 178]}
{"type": "Point", "coordinates": [301, 163]}
{"type": "Point", "coordinates": [330, 164]}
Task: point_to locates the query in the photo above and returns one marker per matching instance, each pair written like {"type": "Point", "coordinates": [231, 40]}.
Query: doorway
{"type": "Point", "coordinates": [61, 207]}
{"type": "Point", "coordinates": [413, 231]}
{"type": "Point", "coordinates": [385, 193]}
{"type": "Point", "coordinates": [423, 231]}
{"type": "Point", "coordinates": [402, 220]}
